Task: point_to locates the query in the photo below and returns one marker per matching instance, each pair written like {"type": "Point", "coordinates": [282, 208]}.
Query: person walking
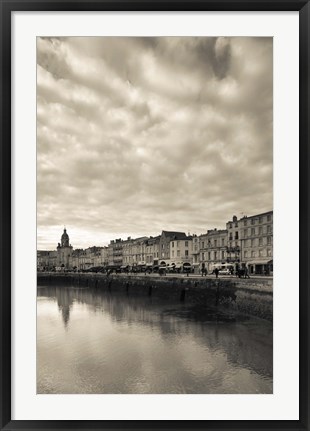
{"type": "Point", "coordinates": [216, 272]}
{"type": "Point", "coordinates": [246, 272]}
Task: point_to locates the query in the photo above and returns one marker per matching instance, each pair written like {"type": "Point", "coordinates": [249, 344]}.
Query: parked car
{"type": "Point", "coordinates": [224, 271]}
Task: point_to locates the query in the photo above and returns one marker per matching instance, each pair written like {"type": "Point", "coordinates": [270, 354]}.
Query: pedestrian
{"type": "Point", "coordinates": [216, 272]}
{"type": "Point", "coordinates": [246, 272]}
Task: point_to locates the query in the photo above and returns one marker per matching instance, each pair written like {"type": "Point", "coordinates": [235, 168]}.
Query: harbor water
{"type": "Point", "coordinates": [94, 342]}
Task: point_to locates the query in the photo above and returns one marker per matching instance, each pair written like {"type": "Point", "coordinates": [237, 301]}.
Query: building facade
{"type": "Point", "coordinates": [64, 251]}
{"type": "Point", "coordinates": [257, 242]}
{"type": "Point", "coordinates": [164, 244]}
{"type": "Point", "coordinates": [215, 249]}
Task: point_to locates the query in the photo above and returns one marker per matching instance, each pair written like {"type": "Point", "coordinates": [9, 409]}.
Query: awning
{"type": "Point", "coordinates": [258, 262]}
{"type": "Point", "coordinates": [178, 266]}
{"type": "Point", "coordinates": [124, 266]}
{"type": "Point", "coordinates": [149, 264]}
{"type": "Point", "coordinates": [195, 264]}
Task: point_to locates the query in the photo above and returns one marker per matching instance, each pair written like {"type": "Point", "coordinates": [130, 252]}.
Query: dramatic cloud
{"type": "Point", "coordinates": [136, 135]}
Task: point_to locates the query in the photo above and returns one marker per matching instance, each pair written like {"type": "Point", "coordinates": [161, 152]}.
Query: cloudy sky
{"type": "Point", "coordinates": [137, 135]}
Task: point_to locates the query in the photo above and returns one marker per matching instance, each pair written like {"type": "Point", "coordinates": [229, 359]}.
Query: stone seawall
{"type": "Point", "coordinates": [249, 296]}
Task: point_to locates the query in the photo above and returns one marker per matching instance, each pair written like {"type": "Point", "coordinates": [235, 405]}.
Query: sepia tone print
{"type": "Point", "coordinates": [155, 215]}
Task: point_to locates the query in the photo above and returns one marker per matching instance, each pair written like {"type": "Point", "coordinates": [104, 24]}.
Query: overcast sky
{"type": "Point", "coordinates": [137, 135]}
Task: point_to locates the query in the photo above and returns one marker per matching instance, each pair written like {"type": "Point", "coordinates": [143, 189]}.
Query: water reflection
{"type": "Point", "coordinates": [93, 342]}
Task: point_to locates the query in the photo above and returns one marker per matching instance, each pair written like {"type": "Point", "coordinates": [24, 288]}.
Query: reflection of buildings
{"type": "Point", "coordinates": [247, 344]}
{"type": "Point", "coordinates": [64, 301]}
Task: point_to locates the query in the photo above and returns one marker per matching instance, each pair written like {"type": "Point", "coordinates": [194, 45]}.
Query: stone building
{"type": "Point", "coordinates": [233, 241]}
{"type": "Point", "coordinates": [115, 253]}
{"type": "Point", "coordinates": [257, 242]}
{"type": "Point", "coordinates": [64, 251]}
{"type": "Point", "coordinates": [181, 251]}
{"type": "Point", "coordinates": [152, 251]}
{"type": "Point", "coordinates": [46, 260]}
{"type": "Point", "coordinates": [164, 244]}
{"type": "Point", "coordinates": [215, 249]}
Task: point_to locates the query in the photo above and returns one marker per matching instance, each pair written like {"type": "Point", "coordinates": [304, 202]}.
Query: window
{"type": "Point", "coordinates": [245, 254]}
{"type": "Point", "coordinates": [268, 252]}
{"type": "Point", "coordinates": [195, 247]}
{"type": "Point", "coordinates": [186, 253]}
{"type": "Point", "coordinates": [245, 223]}
{"type": "Point", "coordinates": [260, 230]}
{"type": "Point", "coordinates": [236, 224]}
{"type": "Point", "coordinates": [163, 255]}
{"type": "Point", "coordinates": [215, 255]}
{"type": "Point", "coordinates": [186, 243]}
{"type": "Point", "coordinates": [230, 225]}
{"type": "Point", "coordinates": [202, 256]}
{"type": "Point", "coordinates": [223, 254]}
{"type": "Point", "coordinates": [236, 235]}
{"type": "Point", "coordinates": [172, 243]}
{"type": "Point", "coordinates": [253, 231]}
{"type": "Point", "coordinates": [268, 229]}
{"type": "Point", "coordinates": [202, 245]}
{"type": "Point", "coordinates": [172, 253]}
{"type": "Point", "coordinates": [223, 241]}
{"type": "Point", "coordinates": [245, 233]}
{"type": "Point", "coordinates": [230, 236]}
{"type": "Point", "coordinates": [252, 242]}
{"type": "Point", "coordinates": [252, 253]}
{"type": "Point", "coordinates": [215, 243]}
{"type": "Point", "coordinates": [268, 217]}
{"type": "Point", "coordinates": [268, 240]}
{"type": "Point", "coordinates": [260, 253]}
{"type": "Point", "coordinates": [260, 241]}
{"type": "Point", "coordinates": [178, 253]}
{"type": "Point", "coordinates": [209, 256]}
{"type": "Point", "coordinates": [252, 221]}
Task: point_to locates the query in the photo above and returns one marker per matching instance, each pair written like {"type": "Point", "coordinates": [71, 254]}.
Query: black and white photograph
{"type": "Point", "coordinates": [154, 215]}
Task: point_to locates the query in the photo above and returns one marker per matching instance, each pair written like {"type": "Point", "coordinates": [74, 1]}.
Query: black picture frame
{"type": "Point", "coordinates": [7, 7]}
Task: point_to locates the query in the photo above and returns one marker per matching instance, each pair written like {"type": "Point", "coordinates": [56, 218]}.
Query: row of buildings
{"type": "Point", "coordinates": [247, 241]}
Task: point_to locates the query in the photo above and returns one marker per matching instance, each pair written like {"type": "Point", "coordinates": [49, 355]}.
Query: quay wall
{"type": "Point", "coordinates": [248, 296]}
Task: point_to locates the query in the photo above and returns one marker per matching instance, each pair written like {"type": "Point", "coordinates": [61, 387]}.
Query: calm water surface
{"type": "Point", "coordinates": [94, 342]}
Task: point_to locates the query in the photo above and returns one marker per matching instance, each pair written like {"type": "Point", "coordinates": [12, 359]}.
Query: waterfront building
{"type": "Point", "coordinates": [195, 253]}
{"type": "Point", "coordinates": [64, 251]}
{"type": "Point", "coordinates": [115, 253]}
{"type": "Point", "coordinates": [203, 241]}
{"type": "Point", "coordinates": [234, 242]}
{"type": "Point", "coordinates": [138, 250]}
{"type": "Point", "coordinates": [46, 260]}
{"type": "Point", "coordinates": [257, 242]}
{"type": "Point", "coordinates": [215, 248]}
{"type": "Point", "coordinates": [127, 252]}
{"type": "Point", "coordinates": [152, 251]}
{"type": "Point", "coordinates": [164, 244]}
{"type": "Point", "coordinates": [104, 256]}
{"type": "Point", "coordinates": [181, 251]}
{"type": "Point", "coordinates": [76, 259]}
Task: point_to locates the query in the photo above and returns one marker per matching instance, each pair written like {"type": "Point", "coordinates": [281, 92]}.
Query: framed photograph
{"type": "Point", "coordinates": [154, 215]}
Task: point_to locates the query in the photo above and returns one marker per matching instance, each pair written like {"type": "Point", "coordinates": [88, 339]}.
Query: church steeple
{"type": "Point", "coordinates": [65, 239]}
